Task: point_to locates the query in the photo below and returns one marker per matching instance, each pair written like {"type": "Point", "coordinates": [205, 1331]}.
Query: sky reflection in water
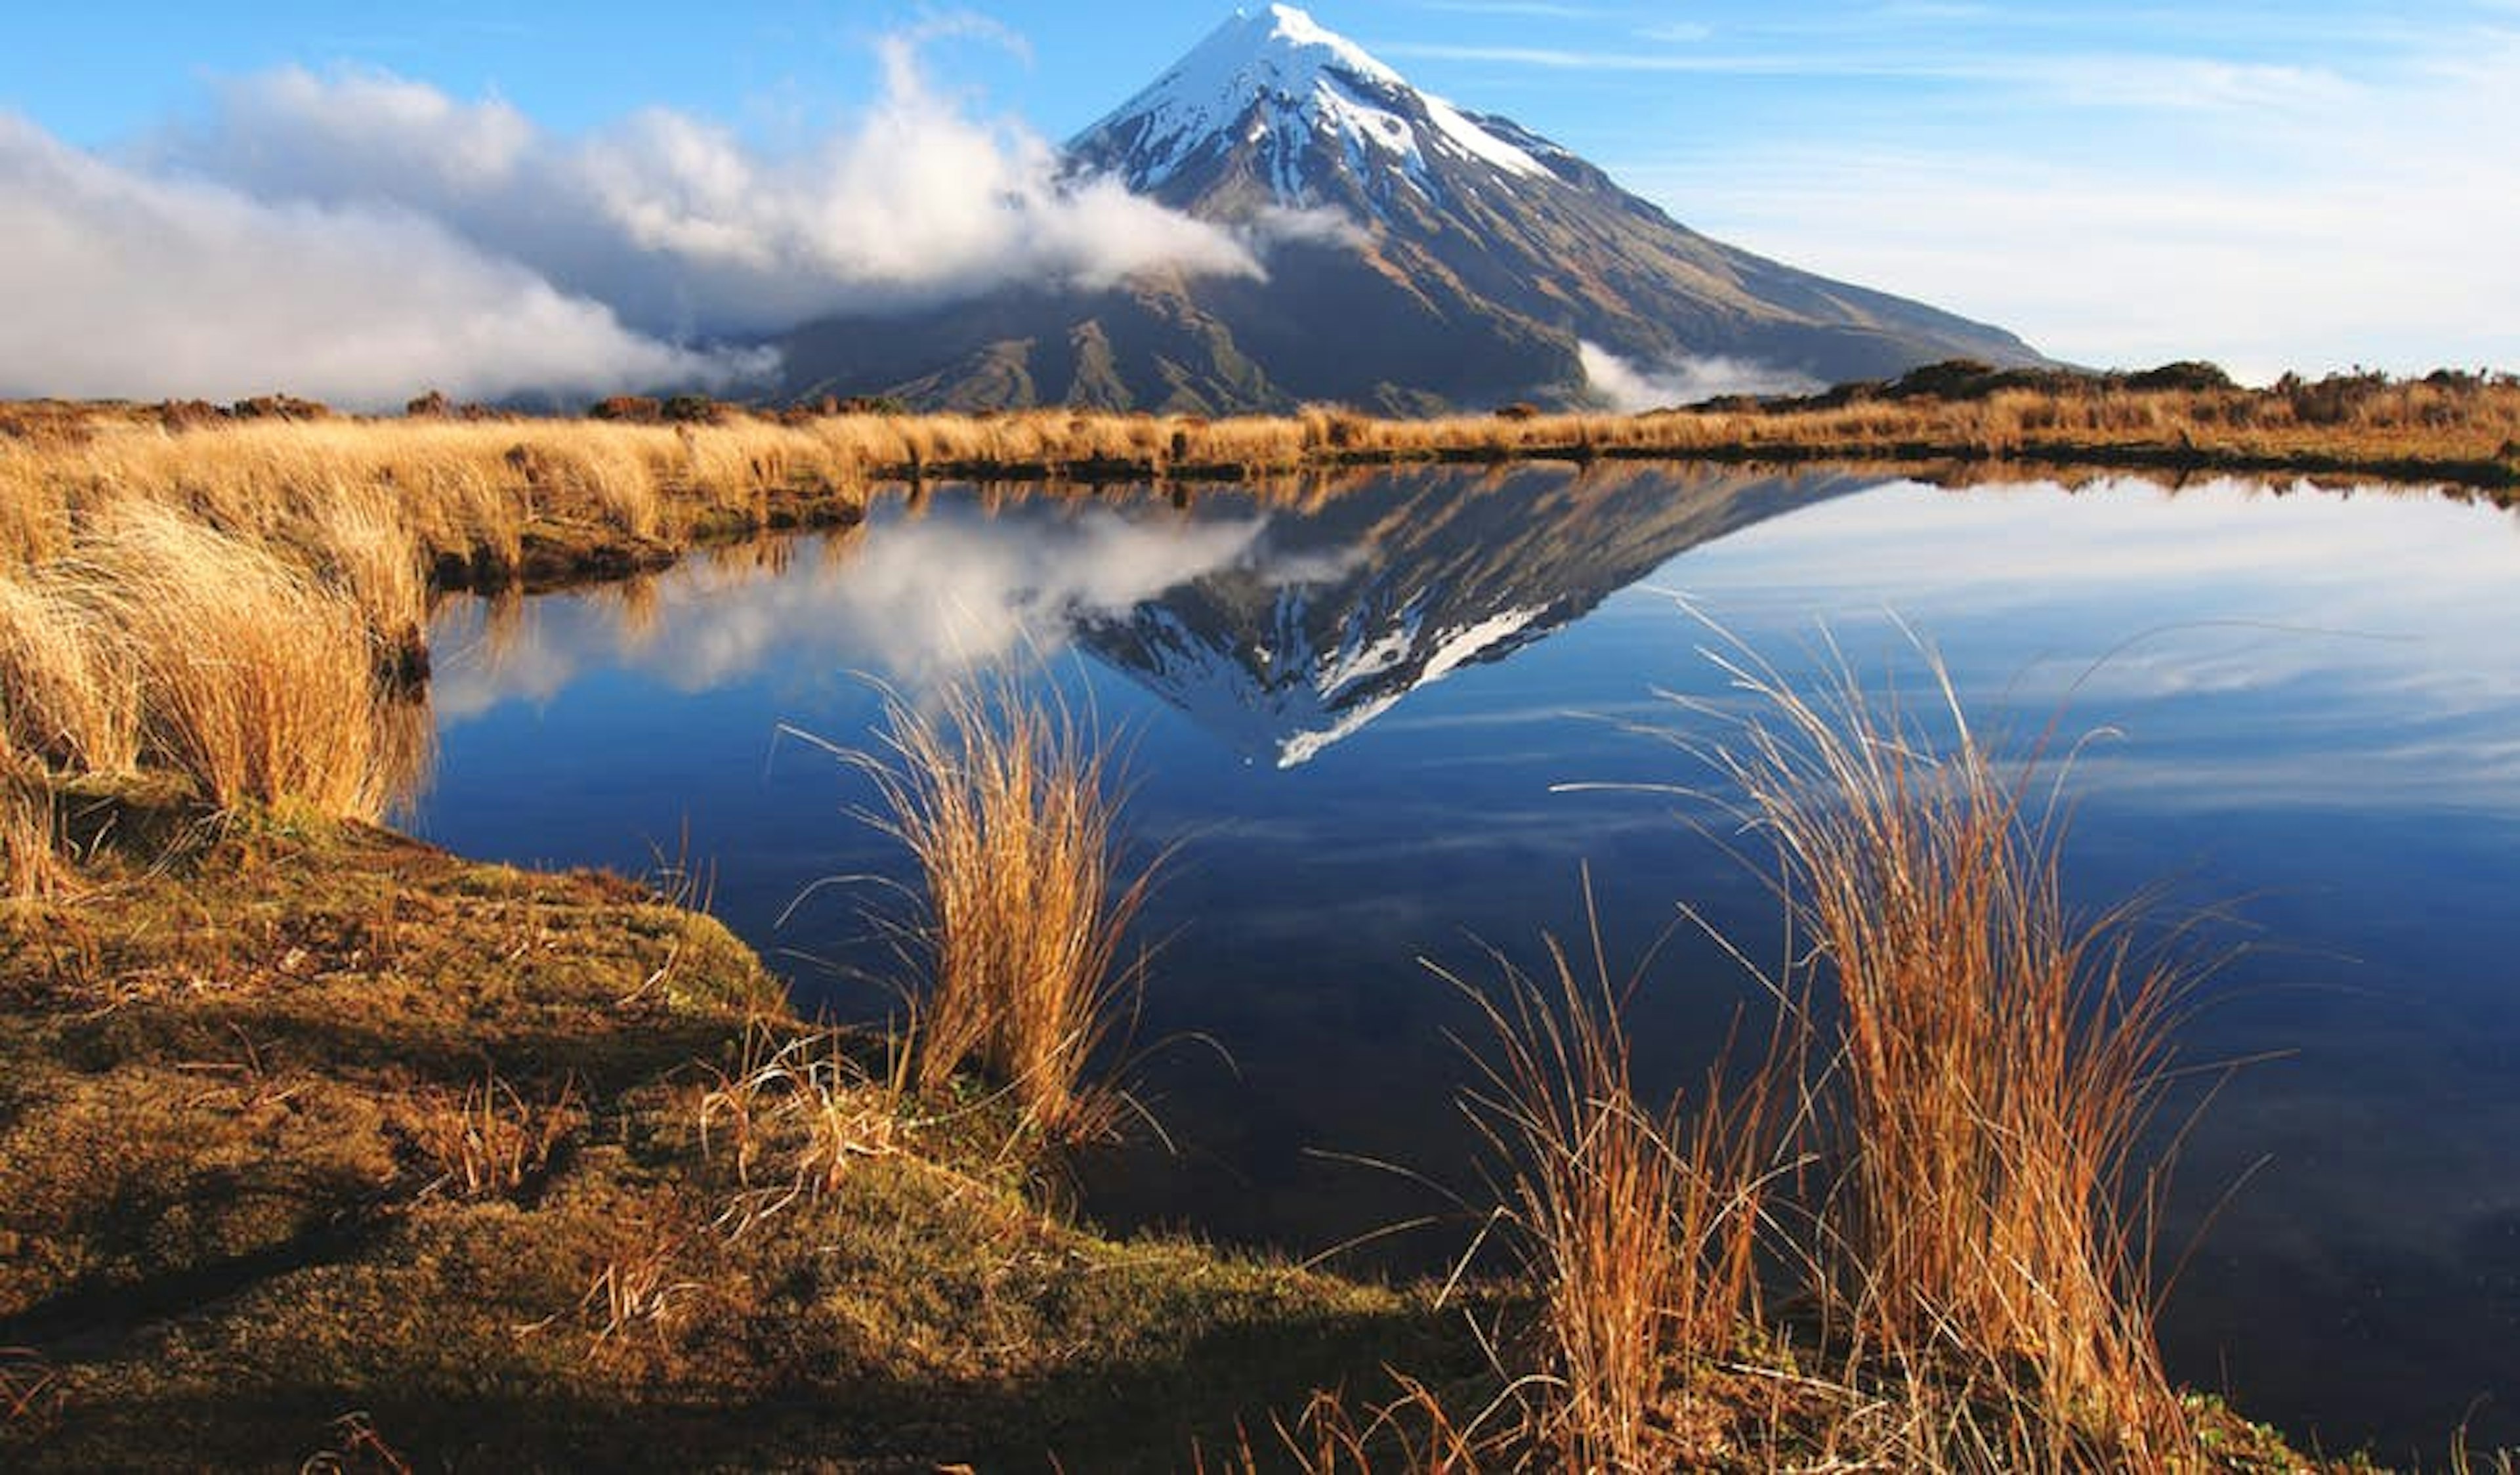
{"type": "Point", "coordinates": [1357, 720]}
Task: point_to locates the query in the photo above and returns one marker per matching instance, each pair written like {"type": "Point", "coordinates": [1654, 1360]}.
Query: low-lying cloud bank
{"type": "Point", "coordinates": [358, 237]}
{"type": "Point", "coordinates": [1630, 387]}
{"type": "Point", "coordinates": [125, 284]}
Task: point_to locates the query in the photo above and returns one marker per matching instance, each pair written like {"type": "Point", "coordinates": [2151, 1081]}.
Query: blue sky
{"type": "Point", "coordinates": [2272, 186]}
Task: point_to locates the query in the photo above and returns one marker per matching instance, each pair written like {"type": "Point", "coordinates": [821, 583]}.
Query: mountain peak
{"type": "Point", "coordinates": [1419, 256]}
{"type": "Point", "coordinates": [1275, 80]}
{"type": "Point", "coordinates": [1288, 41]}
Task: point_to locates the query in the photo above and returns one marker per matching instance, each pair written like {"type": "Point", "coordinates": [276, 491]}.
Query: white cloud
{"type": "Point", "coordinates": [684, 227]}
{"type": "Point", "coordinates": [1630, 387]}
{"type": "Point", "coordinates": [357, 237]}
{"type": "Point", "coordinates": [1276, 226]}
{"type": "Point", "coordinates": [122, 283]}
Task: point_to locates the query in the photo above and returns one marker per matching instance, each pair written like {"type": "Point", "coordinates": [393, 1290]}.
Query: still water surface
{"type": "Point", "coordinates": [1357, 716]}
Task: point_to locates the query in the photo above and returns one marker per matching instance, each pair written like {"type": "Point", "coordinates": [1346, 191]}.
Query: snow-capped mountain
{"type": "Point", "coordinates": [1336, 616]}
{"type": "Point", "coordinates": [1277, 80]}
{"type": "Point", "coordinates": [1419, 254]}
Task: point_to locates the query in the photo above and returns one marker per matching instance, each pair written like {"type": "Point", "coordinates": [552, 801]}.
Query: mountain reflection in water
{"type": "Point", "coordinates": [1278, 628]}
{"type": "Point", "coordinates": [1352, 705]}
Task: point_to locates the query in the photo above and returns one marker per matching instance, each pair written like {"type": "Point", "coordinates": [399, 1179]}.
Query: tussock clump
{"type": "Point", "coordinates": [68, 696]}
{"type": "Point", "coordinates": [1641, 1227]}
{"type": "Point", "coordinates": [491, 1140]}
{"type": "Point", "coordinates": [1597, 1198]}
{"type": "Point", "coordinates": [361, 543]}
{"type": "Point", "coordinates": [1998, 1056]}
{"type": "Point", "coordinates": [796, 1115]}
{"type": "Point", "coordinates": [270, 672]}
{"type": "Point", "coordinates": [1011, 807]}
{"type": "Point", "coordinates": [257, 680]}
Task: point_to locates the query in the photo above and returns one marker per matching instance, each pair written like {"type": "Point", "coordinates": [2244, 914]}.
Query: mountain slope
{"type": "Point", "coordinates": [1417, 254]}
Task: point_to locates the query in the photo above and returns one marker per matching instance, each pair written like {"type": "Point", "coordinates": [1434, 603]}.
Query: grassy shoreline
{"type": "Point", "coordinates": [317, 1143]}
{"type": "Point", "coordinates": [498, 499]}
{"type": "Point", "coordinates": [300, 1122]}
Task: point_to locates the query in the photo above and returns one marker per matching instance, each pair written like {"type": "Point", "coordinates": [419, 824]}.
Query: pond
{"type": "Point", "coordinates": [1412, 717]}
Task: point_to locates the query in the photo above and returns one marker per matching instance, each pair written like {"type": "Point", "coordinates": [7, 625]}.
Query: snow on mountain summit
{"type": "Point", "coordinates": [1279, 80]}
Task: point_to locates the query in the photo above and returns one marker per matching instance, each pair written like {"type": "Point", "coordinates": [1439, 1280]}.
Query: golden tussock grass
{"type": "Point", "coordinates": [159, 641]}
{"type": "Point", "coordinates": [72, 695]}
{"type": "Point", "coordinates": [1936, 1151]}
{"type": "Point", "coordinates": [246, 617]}
{"type": "Point", "coordinates": [1638, 1227]}
{"type": "Point", "coordinates": [466, 490]}
{"type": "Point", "coordinates": [1011, 807]}
{"type": "Point", "coordinates": [1998, 1058]}
{"type": "Point", "coordinates": [474, 491]}
{"type": "Point", "coordinates": [259, 683]}
{"type": "Point", "coordinates": [31, 865]}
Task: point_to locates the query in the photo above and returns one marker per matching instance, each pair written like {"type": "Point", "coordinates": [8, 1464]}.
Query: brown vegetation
{"type": "Point", "coordinates": [1640, 1229]}
{"type": "Point", "coordinates": [797, 1112]}
{"type": "Point", "coordinates": [235, 1079]}
{"type": "Point", "coordinates": [157, 642]}
{"type": "Point", "coordinates": [1996, 1058]}
{"type": "Point", "coordinates": [1011, 807]}
{"type": "Point", "coordinates": [491, 1140]}
{"type": "Point", "coordinates": [1967, 1065]}
{"type": "Point", "coordinates": [490, 499]}
{"type": "Point", "coordinates": [31, 860]}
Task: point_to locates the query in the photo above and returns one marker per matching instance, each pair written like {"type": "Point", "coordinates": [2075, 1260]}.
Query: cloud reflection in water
{"type": "Point", "coordinates": [914, 601]}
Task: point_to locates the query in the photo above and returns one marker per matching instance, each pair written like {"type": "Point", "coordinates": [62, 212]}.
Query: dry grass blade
{"type": "Point", "coordinates": [1411, 1431]}
{"type": "Point", "coordinates": [637, 1290]}
{"type": "Point", "coordinates": [1640, 1227]}
{"type": "Point", "coordinates": [31, 865]}
{"type": "Point", "coordinates": [796, 1114]}
{"type": "Point", "coordinates": [492, 1141]}
{"type": "Point", "coordinates": [1010, 807]}
{"type": "Point", "coordinates": [357, 1447]}
{"type": "Point", "coordinates": [27, 1384]}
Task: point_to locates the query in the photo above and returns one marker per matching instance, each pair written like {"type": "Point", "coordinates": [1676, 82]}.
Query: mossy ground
{"type": "Point", "coordinates": [230, 1219]}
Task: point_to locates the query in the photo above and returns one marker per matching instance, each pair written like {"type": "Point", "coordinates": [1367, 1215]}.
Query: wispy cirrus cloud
{"type": "Point", "coordinates": [2103, 80]}
{"type": "Point", "coordinates": [2248, 183]}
